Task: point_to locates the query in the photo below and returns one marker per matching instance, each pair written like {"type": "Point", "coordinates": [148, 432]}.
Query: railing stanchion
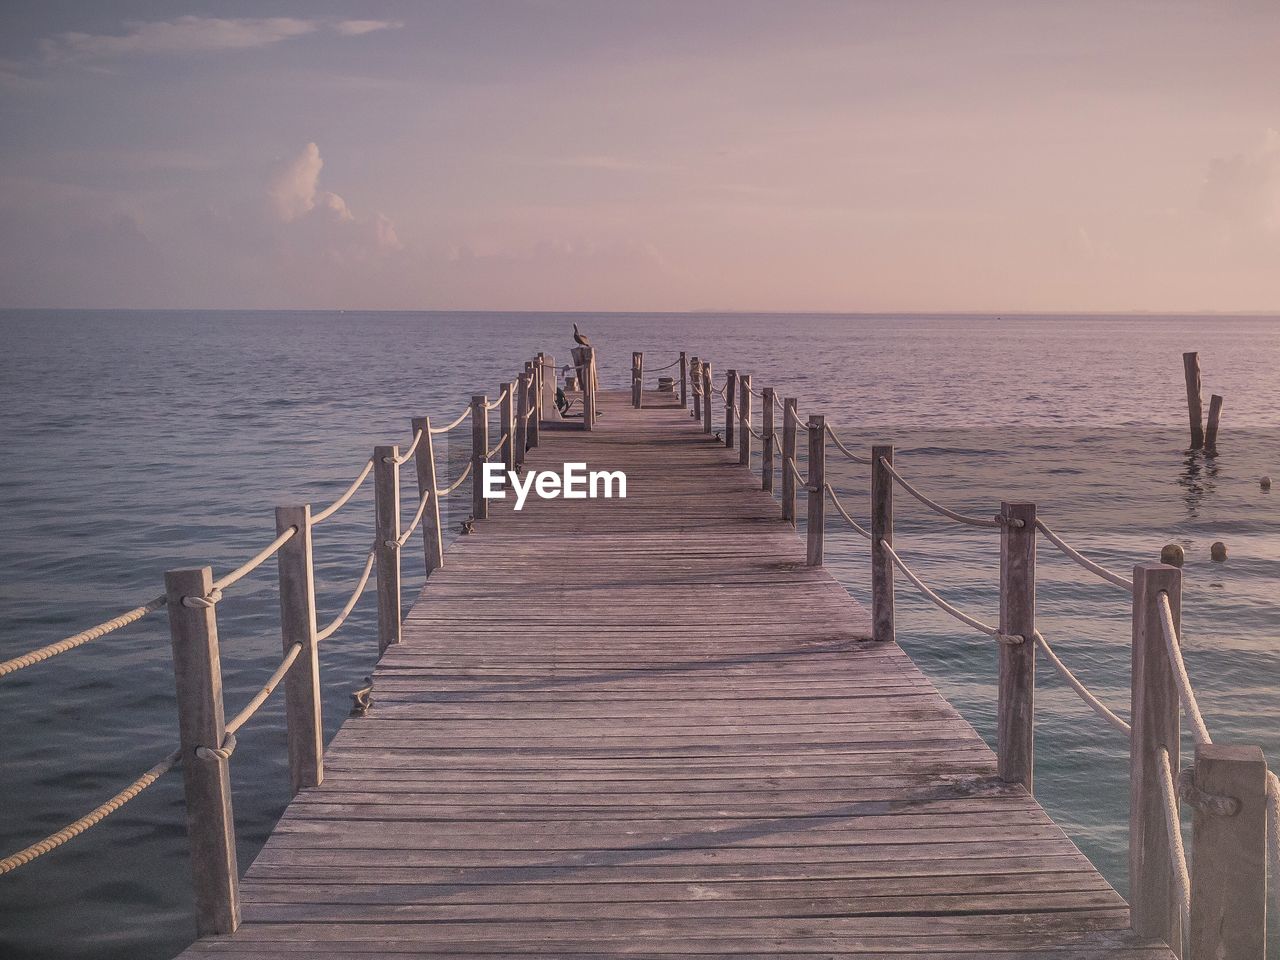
{"type": "Point", "coordinates": [882, 626]}
{"type": "Point", "coordinates": [706, 397]}
{"type": "Point", "coordinates": [730, 406]}
{"type": "Point", "coordinates": [304, 728]}
{"type": "Point", "coordinates": [1015, 724]}
{"type": "Point", "coordinates": [479, 454]}
{"type": "Point", "coordinates": [506, 424]}
{"type": "Point", "coordinates": [211, 828]}
{"type": "Point", "coordinates": [816, 526]}
{"type": "Point", "coordinates": [1228, 855]}
{"type": "Point", "coordinates": [767, 404]}
{"type": "Point", "coordinates": [386, 506]}
{"type": "Point", "coordinates": [789, 424]}
{"type": "Point", "coordinates": [637, 379]}
{"type": "Point", "coordinates": [744, 420]}
{"type": "Point", "coordinates": [684, 380]}
{"type": "Point", "coordinates": [1153, 894]}
{"type": "Point", "coordinates": [520, 447]}
{"type": "Point", "coordinates": [695, 377]}
{"type": "Point", "coordinates": [425, 462]}
{"type": "Point", "coordinates": [535, 404]}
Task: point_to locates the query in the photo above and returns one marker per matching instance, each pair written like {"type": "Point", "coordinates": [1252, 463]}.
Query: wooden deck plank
{"type": "Point", "coordinates": [644, 727]}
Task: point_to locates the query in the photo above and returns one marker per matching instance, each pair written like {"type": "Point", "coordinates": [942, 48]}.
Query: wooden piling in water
{"type": "Point", "coordinates": [304, 729]}
{"type": "Point", "coordinates": [1211, 430]}
{"type": "Point", "coordinates": [1015, 699]}
{"type": "Point", "coordinates": [1191, 371]}
{"type": "Point", "coordinates": [197, 672]}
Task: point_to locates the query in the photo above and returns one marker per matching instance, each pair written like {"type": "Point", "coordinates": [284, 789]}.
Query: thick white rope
{"type": "Point", "coordinates": [257, 560]}
{"type": "Point", "coordinates": [1085, 694]}
{"type": "Point", "coordinates": [802, 480]}
{"type": "Point", "coordinates": [835, 500]}
{"type": "Point", "coordinates": [408, 454]}
{"type": "Point", "coordinates": [1081, 559]}
{"type": "Point", "coordinates": [439, 430]}
{"type": "Point", "coordinates": [90, 819]}
{"type": "Point", "coordinates": [84, 636]}
{"type": "Point", "coordinates": [350, 492]}
{"type": "Point", "coordinates": [778, 403]}
{"type": "Point", "coordinates": [946, 607]}
{"type": "Point", "coordinates": [497, 403]}
{"type": "Point", "coordinates": [338, 621]}
{"type": "Point", "coordinates": [489, 454]}
{"type": "Point", "coordinates": [845, 450]}
{"type": "Point", "coordinates": [1186, 693]}
{"type": "Point", "coordinates": [260, 697]}
{"type": "Point", "coordinates": [934, 505]}
{"type": "Point", "coordinates": [456, 484]}
{"type": "Point", "coordinates": [417, 519]}
{"type": "Point", "coordinates": [1173, 828]}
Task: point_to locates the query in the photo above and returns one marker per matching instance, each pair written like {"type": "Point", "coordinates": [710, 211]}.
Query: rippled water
{"type": "Point", "coordinates": [137, 442]}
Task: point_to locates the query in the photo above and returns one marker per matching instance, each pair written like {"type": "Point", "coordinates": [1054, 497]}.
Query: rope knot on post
{"type": "Point", "coordinates": [1012, 522]}
{"type": "Point", "coordinates": [1201, 800]}
{"type": "Point", "coordinates": [206, 602]}
{"type": "Point", "coordinates": [223, 752]}
{"type": "Point", "coordinates": [1010, 639]}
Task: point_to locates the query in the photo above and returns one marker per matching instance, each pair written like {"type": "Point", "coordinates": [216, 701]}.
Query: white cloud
{"type": "Point", "coordinates": [357, 28]}
{"type": "Point", "coordinates": [191, 34]}
{"type": "Point", "coordinates": [295, 190]}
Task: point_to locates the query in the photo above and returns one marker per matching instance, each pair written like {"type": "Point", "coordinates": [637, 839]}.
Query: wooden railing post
{"type": "Point", "coordinates": [684, 380]}
{"type": "Point", "coordinates": [789, 424]}
{"type": "Point", "coordinates": [425, 462]}
{"type": "Point", "coordinates": [767, 404]}
{"type": "Point", "coordinates": [506, 424]}
{"type": "Point", "coordinates": [706, 397]}
{"type": "Point", "coordinates": [197, 671]}
{"type": "Point", "coordinates": [479, 453]}
{"type": "Point", "coordinates": [1015, 723]}
{"type": "Point", "coordinates": [744, 420]}
{"type": "Point", "coordinates": [637, 379]}
{"type": "Point", "coordinates": [585, 359]}
{"type": "Point", "coordinates": [730, 406]}
{"type": "Point", "coordinates": [534, 370]}
{"type": "Point", "coordinates": [521, 447]}
{"type": "Point", "coordinates": [1153, 896]}
{"type": "Point", "coordinates": [695, 376]}
{"type": "Point", "coordinates": [816, 528]}
{"type": "Point", "coordinates": [304, 729]}
{"type": "Point", "coordinates": [386, 507]}
{"type": "Point", "coordinates": [882, 626]}
{"type": "Point", "coordinates": [1228, 854]}
{"type": "Point", "coordinates": [549, 382]}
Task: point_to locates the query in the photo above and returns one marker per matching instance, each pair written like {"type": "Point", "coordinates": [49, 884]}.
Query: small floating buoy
{"type": "Point", "coordinates": [1218, 551]}
{"type": "Point", "coordinates": [1173, 554]}
{"type": "Point", "coordinates": [1265, 483]}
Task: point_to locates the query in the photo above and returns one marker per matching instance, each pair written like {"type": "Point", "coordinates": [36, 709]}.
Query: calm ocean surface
{"type": "Point", "coordinates": [135, 442]}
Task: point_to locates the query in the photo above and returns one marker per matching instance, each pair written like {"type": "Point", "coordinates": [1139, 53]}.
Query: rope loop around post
{"type": "Point", "coordinates": [223, 752]}
{"type": "Point", "coordinates": [1201, 800]}
{"type": "Point", "coordinates": [204, 603]}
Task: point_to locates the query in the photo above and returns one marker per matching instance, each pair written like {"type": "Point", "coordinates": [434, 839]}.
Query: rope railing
{"type": "Point", "coordinates": [845, 450]}
{"type": "Point", "coordinates": [259, 698]}
{"type": "Point", "coordinates": [417, 519]}
{"type": "Point", "coordinates": [1186, 693]}
{"type": "Point", "coordinates": [944, 605]}
{"type": "Point", "coordinates": [456, 484]}
{"type": "Point", "coordinates": [937, 507]}
{"type": "Point", "coordinates": [667, 367]}
{"type": "Point", "coordinates": [800, 478]}
{"type": "Point", "coordinates": [347, 494]}
{"type": "Point", "coordinates": [1173, 830]}
{"type": "Point", "coordinates": [84, 636]}
{"type": "Point", "coordinates": [835, 501]}
{"type": "Point", "coordinates": [492, 451]}
{"type": "Point", "coordinates": [436, 431]}
{"type": "Point", "coordinates": [341, 618]}
{"type": "Point", "coordinates": [498, 402]}
{"type": "Point", "coordinates": [250, 565]}
{"type": "Point", "coordinates": [90, 819]}
{"type": "Point", "coordinates": [1069, 551]}
{"type": "Point", "coordinates": [408, 454]}
{"type": "Point", "coordinates": [1085, 694]}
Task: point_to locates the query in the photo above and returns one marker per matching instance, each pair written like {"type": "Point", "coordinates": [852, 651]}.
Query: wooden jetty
{"type": "Point", "coordinates": [655, 726]}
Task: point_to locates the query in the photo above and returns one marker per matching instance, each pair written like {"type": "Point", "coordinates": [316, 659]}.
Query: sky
{"type": "Point", "coordinates": [885, 155]}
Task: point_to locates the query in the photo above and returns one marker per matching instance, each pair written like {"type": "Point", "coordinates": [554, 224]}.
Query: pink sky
{"type": "Point", "coordinates": [537, 154]}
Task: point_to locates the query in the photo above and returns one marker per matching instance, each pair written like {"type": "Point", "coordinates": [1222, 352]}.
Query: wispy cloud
{"type": "Point", "coordinates": [191, 34]}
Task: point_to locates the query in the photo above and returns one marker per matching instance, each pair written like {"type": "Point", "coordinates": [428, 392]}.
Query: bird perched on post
{"type": "Point", "coordinates": [579, 339]}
